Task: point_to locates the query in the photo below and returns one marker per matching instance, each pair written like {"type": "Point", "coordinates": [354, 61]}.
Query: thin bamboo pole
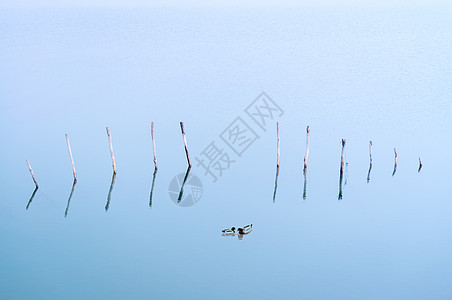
{"type": "Point", "coordinates": [153, 144]}
{"type": "Point", "coordinates": [185, 143]}
{"type": "Point", "coordinates": [111, 150]}
{"type": "Point", "coordinates": [32, 175]}
{"type": "Point", "coordinates": [72, 159]}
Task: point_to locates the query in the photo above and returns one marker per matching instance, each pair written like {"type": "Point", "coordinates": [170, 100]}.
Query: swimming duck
{"type": "Point", "coordinates": [232, 230]}
{"type": "Point", "coordinates": [245, 229]}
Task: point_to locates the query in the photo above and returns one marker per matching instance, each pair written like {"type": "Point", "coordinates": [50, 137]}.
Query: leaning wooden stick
{"type": "Point", "coordinates": [153, 144]}
{"type": "Point", "coordinates": [395, 161]}
{"type": "Point", "coordinates": [420, 165]}
{"type": "Point", "coordinates": [342, 156]}
{"type": "Point", "coordinates": [185, 143]}
{"type": "Point", "coordinates": [72, 159]}
{"type": "Point", "coordinates": [111, 150]}
{"type": "Point", "coordinates": [307, 150]}
{"type": "Point", "coordinates": [277, 136]}
{"type": "Point", "coordinates": [32, 175]}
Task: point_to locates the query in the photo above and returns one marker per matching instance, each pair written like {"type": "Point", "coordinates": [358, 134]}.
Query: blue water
{"type": "Point", "coordinates": [361, 75]}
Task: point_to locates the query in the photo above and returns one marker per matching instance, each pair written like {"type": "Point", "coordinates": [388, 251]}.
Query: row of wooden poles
{"type": "Point", "coordinates": [341, 171]}
{"type": "Point", "coordinates": [114, 167]}
{"type": "Point", "coordinates": [112, 153]}
{"type": "Point", "coordinates": [305, 162]}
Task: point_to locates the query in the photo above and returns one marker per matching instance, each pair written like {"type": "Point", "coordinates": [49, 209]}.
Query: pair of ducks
{"type": "Point", "coordinates": [241, 231]}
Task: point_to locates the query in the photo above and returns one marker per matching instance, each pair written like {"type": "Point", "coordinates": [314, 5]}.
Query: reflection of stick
{"type": "Point", "coordinates": [152, 187]}
{"type": "Point", "coordinates": [153, 144]}
{"type": "Point", "coordinates": [277, 161]}
{"type": "Point", "coordinates": [307, 150]}
{"type": "Point", "coordinates": [181, 193]}
{"type": "Point", "coordinates": [395, 161]}
{"type": "Point", "coordinates": [72, 159]}
{"type": "Point", "coordinates": [111, 150]}
{"type": "Point", "coordinates": [370, 165]}
{"type": "Point", "coordinates": [276, 184]}
{"type": "Point", "coordinates": [32, 196]}
{"type": "Point", "coordinates": [69, 199]}
{"type": "Point", "coordinates": [110, 190]}
{"type": "Point", "coordinates": [420, 165]}
{"type": "Point", "coordinates": [185, 143]}
{"type": "Point", "coordinates": [32, 175]}
{"type": "Point", "coordinates": [277, 136]}
{"type": "Point", "coordinates": [304, 185]}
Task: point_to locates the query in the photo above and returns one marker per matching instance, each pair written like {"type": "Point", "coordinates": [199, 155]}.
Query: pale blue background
{"type": "Point", "coordinates": [356, 73]}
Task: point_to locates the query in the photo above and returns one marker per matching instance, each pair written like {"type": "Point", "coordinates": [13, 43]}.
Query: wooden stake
{"type": "Point", "coordinates": [32, 175]}
{"type": "Point", "coordinates": [72, 159]}
{"type": "Point", "coordinates": [307, 150]}
{"type": "Point", "coordinates": [185, 143]}
{"type": "Point", "coordinates": [153, 144]}
{"type": "Point", "coordinates": [277, 136]}
{"type": "Point", "coordinates": [420, 165]}
{"type": "Point", "coordinates": [342, 155]}
{"type": "Point", "coordinates": [111, 150]}
{"type": "Point", "coordinates": [395, 161]}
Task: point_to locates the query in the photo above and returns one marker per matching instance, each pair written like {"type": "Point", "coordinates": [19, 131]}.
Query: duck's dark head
{"type": "Point", "coordinates": [233, 229]}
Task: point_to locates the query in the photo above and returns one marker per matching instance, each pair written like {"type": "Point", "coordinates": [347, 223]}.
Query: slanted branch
{"type": "Point", "coordinates": [32, 175]}
{"type": "Point", "coordinates": [111, 150]}
{"type": "Point", "coordinates": [185, 144]}
{"type": "Point", "coordinates": [72, 159]}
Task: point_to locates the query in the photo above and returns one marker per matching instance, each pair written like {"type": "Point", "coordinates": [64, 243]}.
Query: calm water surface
{"type": "Point", "coordinates": [380, 75]}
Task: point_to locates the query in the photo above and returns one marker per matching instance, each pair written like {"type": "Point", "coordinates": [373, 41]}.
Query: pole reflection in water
{"type": "Point", "coordinates": [370, 164]}
{"type": "Point", "coordinates": [305, 171]}
{"type": "Point", "coordinates": [152, 187]}
{"type": "Point", "coordinates": [277, 160]}
{"type": "Point", "coordinates": [181, 193]}
{"type": "Point", "coordinates": [32, 196]}
{"type": "Point", "coordinates": [109, 192]}
{"type": "Point", "coordinates": [69, 199]}
{"type": "Point", "coordinates": [276, 183]}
